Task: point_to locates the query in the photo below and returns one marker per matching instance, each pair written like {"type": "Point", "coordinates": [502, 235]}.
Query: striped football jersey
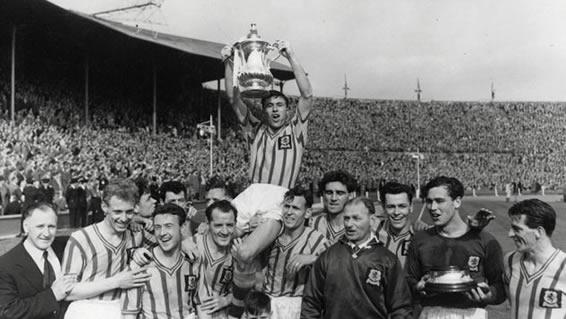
{"type": "Point", "coordinates": [322, 224]}
{"type": "Point", "coordinates": [540, 294]}
{"type": "Point", "coordinates": [91, 257]}
{"type": "Point", "coordinates": [215, 275]}
{"type": "Point", "coordinates": [395, 243]}
{"type": "Point", "coordinates": [276, 158]}
{"type": "Point", "coordinates": [278, 281]}
{"type": "Point", "coordinates": [168, 294]}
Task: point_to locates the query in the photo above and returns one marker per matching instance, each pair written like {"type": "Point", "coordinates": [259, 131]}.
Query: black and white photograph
{"type": "Point", "coordinates": [324, 159]}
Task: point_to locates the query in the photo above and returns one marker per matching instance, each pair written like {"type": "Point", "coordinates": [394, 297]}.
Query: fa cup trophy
{"type": "Point", "coordinates": [251, 64]}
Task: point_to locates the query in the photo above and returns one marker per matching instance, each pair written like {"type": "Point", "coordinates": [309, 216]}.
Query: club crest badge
{"type": "Point", "coordinates": [374, 277]}
{"type": "Point", "coordinates": [190, 282]}
{"type": "Point", "coordinates": [284, 142]}
{"type": "Point", "coordinates": [474, 263]}
{"type": "Point", "coordinates": [405, 247]}
{"type": "Point", "coordinates": [226, 276]}
{"type": "Point", "coordinates": [550, 298]}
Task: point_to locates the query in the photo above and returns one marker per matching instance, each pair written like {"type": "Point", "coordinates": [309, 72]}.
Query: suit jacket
{"type": "Point", "coordinates": [22, 295]}
{"type": "Point", "coordinates": [76, 198]}
{"type": "Point", "coordinates": [47, 192]}
{"type": "Point", "coordinates": [4, 197]}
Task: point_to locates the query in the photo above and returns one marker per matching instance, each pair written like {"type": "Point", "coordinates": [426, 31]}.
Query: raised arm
{"type": "Point", "coordinates": [238, 105]}
{"type": "Point", "coordinates": [306, 99]}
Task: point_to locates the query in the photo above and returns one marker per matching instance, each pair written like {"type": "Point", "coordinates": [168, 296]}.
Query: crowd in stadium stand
{"type": "Point", "coordinates": [486, 145]}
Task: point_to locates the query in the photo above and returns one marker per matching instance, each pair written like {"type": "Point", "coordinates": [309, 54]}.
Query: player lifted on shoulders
{"type": "Point", "coordinates": [276, 146]}
{"type": "Point", "coordinates": [278, 142]}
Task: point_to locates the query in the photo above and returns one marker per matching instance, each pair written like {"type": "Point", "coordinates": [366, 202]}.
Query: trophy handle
{"type": "Point", "coordinates": [236, 66]}
{"type": "Point", "coordinates": [274, 46]}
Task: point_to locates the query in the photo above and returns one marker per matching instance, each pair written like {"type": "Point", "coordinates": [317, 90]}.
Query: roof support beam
{"type": "Point", "coordinates": [154, 113]}
{"type": "Point", "coordinates": [13, 78]}
{"type": "Point", "coordinates": [218, 111]}
{"type": "Point", "coordinates": [87, 67]}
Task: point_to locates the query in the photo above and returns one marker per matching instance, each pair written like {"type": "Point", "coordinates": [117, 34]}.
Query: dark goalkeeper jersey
{"type": "Point", "coordinates": [478, 252]}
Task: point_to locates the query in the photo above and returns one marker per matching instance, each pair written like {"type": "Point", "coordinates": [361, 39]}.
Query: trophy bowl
{"type": "Point", "coordinates": [255, 85]}
{"type": "Point", "coordinates": [448, 280]}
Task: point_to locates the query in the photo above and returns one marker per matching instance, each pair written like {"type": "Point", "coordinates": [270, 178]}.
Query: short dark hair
{"type": "Point", "coordinates": [223, 206]}
{"type": "Point", "coordinates": [273, 93]}
{"type": "Point", "coordinates": [300, 192]}
{"type": "Point", "coordinates": [340, 176]}
{"type": "Point", "coordinates": [256, 303]}
{"type": "Point", "coordinates": [171, 209]}
{"type": "Point", "coordinates": [218, 182]}
{"type": "Point", "coordinates": [124, 189]}
{"type": "Point", "coordinates": [362, 200]}
{"type": "Point", "coordinates": [29, 208]}
{"type": "Point", "coordinates": [537, 214]}
{"type": "Point", "coordinates": [453, 186]}
{"type": "Point", "coordinates": [143, 186]}
{"type": "Point", "coordinates": [174, 187]}
{"type": "Point", "coordinates": [395, 188]}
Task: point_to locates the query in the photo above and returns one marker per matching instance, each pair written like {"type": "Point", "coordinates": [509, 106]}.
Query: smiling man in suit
{"type": "Point", "coordinates": [31, 284]}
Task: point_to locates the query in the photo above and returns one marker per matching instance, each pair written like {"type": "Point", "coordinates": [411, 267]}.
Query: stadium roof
{"type": "Point", "coordinates": [199, 58]}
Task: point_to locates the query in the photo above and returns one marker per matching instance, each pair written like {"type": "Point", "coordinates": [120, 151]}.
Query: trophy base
{"type": "Point", "coordinates": [255, 85]}
{"type": "Point", "coordinates": [254, 93]}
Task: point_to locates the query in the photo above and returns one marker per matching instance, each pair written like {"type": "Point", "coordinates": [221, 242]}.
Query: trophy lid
{"type": "Point", "coordinates": [253, 32]}
{"type": "Point", "coordinates": [253, 36]}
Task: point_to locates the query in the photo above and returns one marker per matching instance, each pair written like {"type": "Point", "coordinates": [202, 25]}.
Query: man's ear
{"type": "Point", "coordinates": [184, 226]}
{"type": "Point", "coordinates": [457, 202]}
{"type": "Point", "coordinates": [25, 225]}
{"type": "Point", "coordinates": [374, 222]}
{"type": "Point", "coordinates": [104, 207]}
{"type": "Point", "coordinates": [540, 231]}
{"type": "Point", "coordinates": [308, 213]}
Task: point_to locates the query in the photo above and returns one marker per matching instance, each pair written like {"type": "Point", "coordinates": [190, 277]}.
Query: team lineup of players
{"type": "Point", "coordinates": [359, 267]}
{"type": "Point", "coordinates": [268, 254]}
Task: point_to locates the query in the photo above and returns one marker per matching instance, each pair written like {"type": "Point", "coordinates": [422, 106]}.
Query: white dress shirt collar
{"type": "Point", "coordinates": [365, 243]}
{"type": "Point", "coordinates": [37, 256]}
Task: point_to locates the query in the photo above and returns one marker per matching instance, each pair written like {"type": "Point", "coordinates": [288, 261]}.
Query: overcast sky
{"type": "Point", "coordinates": [456, 47]}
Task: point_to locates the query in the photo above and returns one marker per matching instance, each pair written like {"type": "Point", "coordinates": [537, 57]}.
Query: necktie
{"type": "Point", "coordinates": [48, 273]}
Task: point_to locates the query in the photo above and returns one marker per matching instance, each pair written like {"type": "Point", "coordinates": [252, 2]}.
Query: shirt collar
{"type": "Point", "coordinates": [365, 244]}
{"type": "Point", "coordinates": [37, 256]}
{"type": "Point", "coordinates": [34, 252]}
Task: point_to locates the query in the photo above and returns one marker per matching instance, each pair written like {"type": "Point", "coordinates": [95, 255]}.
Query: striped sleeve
{"type": "Point", "coordinates": [508, 265]}
{"type": "Point", "coordinates": [148, 241]}
{"type": "Point", "coordinates": [131, 301]}
{"type": "Point", "coordinates": [250, 127]}
{"type": "Point", "coordinates": [315, 222]}
{"type": "Point", "coordinates": [321, 246]}
{"type": "Point", "coordinates": [74, 258]}
{"type": "Point", "coordinates": [300, 128]}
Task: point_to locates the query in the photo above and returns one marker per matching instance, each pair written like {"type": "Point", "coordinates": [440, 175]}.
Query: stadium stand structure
{"type": "Point", "coordinates": [484, 144]}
